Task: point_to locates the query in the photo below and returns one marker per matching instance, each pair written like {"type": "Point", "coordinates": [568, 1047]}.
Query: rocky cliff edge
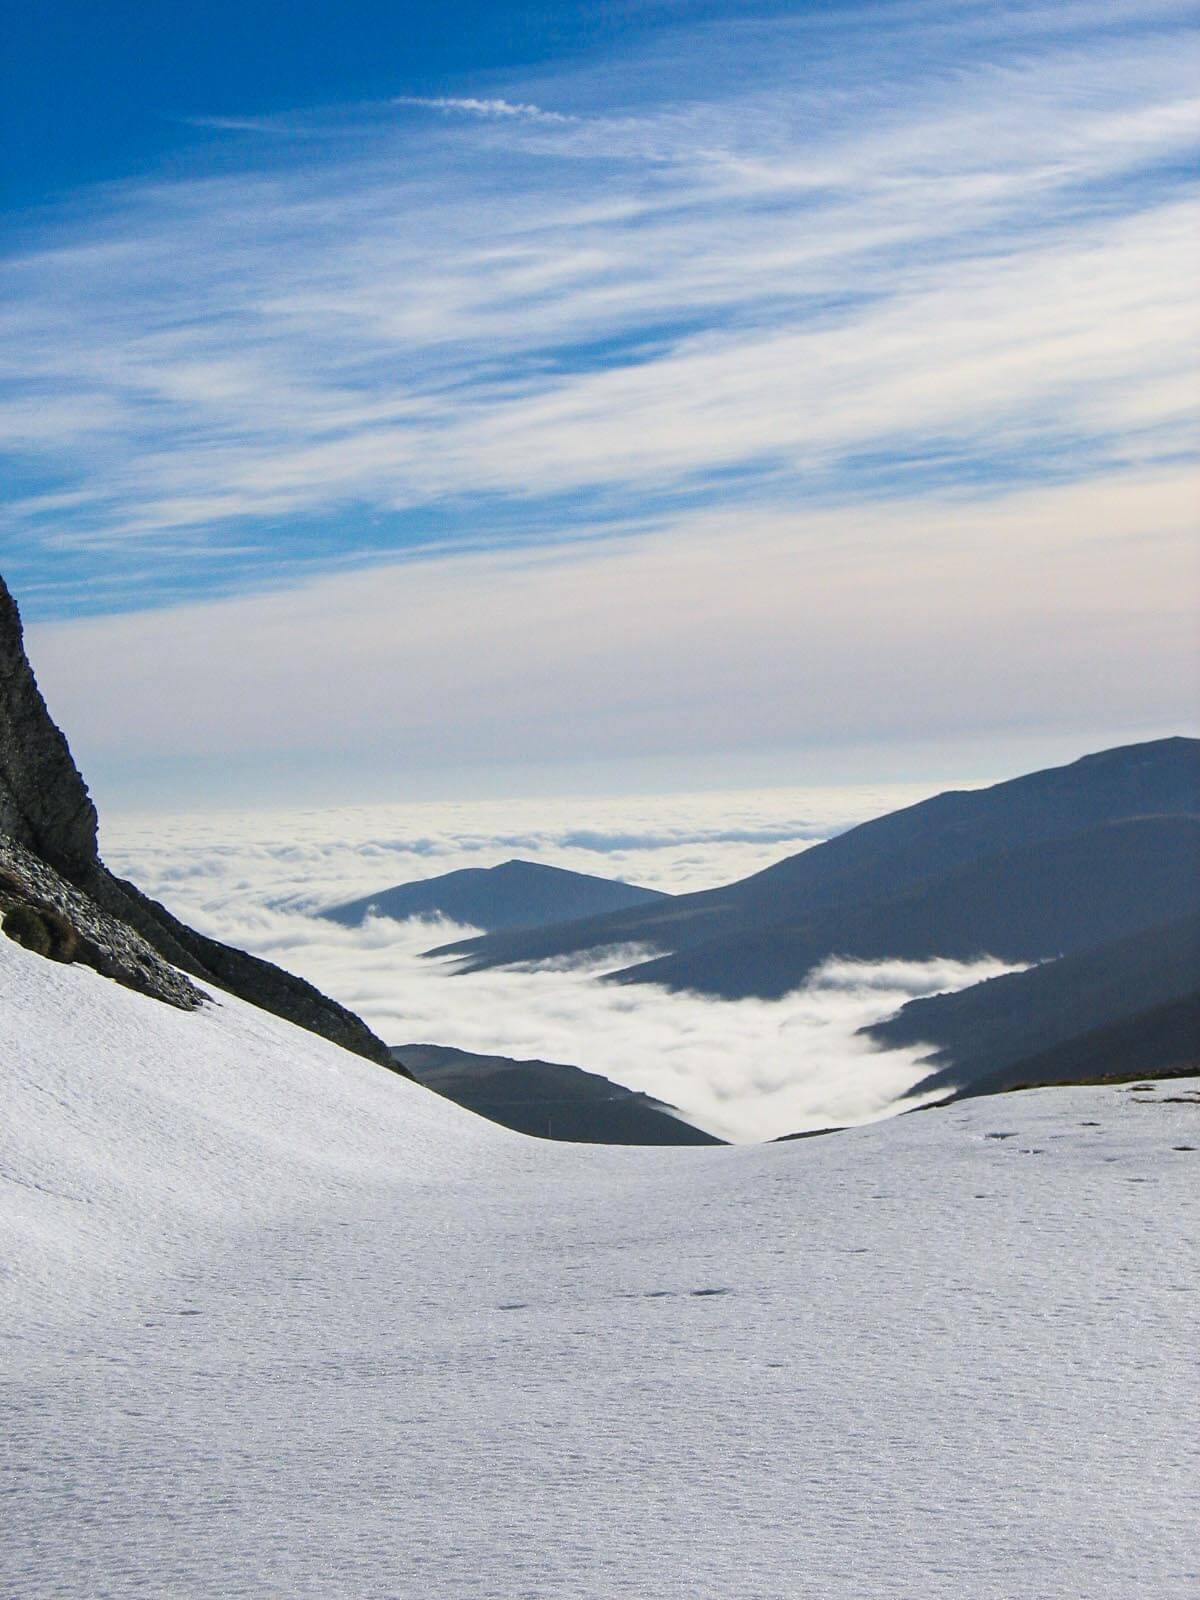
{"type": "Point", "coordinates": [50, 867]}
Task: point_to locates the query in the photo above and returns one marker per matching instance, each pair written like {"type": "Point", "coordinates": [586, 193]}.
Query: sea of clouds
{"type": "Point", "coordinates": [746, 1069]}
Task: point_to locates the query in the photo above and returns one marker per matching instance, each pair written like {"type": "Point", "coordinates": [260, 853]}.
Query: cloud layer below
{"type": "Point", "coordinates": [746, 1070]}
{"type": "Point", "coordinates": [303, 860]}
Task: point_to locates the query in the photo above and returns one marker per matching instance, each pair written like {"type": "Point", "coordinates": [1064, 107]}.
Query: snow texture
{"type": "Point", "coordinates": [280, 1324]}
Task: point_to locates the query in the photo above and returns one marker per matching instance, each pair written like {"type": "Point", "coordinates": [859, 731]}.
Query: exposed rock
{"type": "Point", "coordinates": [253, 979]}
{"type": "Point", "coordinates": [44, 803]}
{"type": "Point", "coordinates": [48, 844]}
{"type": "Point", "coordinates": [104, 942]}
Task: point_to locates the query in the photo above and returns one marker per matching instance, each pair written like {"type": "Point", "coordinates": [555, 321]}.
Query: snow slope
{"type": "Point", "coordinates": [278, 1324]}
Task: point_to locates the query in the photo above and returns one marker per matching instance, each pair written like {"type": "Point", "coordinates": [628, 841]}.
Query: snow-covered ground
{"type": "Point", "coordinates": [278, 1324]}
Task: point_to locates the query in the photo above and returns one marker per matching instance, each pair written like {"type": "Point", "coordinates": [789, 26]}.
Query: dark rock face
{"type": "Point", "coordinates": [103, 941]}
{"type": "Point", "coordinates": [44, 803]}
{"type": "Point", "coordinates": [48, 845]}
{"type": "Point", "coordinates": [258, 981]}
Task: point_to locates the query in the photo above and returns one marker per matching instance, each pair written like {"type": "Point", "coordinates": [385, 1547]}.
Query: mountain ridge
{"type": "Point", "coordinates": [888, 856]}
{"type": "Point", "coordinates": [978, 1035]}
{"type": "Point", "coordinates": [550, 1099]}
{"type": "Point", "coordinates": [512, 894]}
{"type": "Point", "coordinates": [1031, 903]}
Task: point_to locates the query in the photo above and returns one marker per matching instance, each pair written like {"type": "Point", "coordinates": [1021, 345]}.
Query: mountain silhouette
{"type": "Point", "coordinates": [1028, 869]}
{"type": "Point", "coordinates": [549, 1099]}
{"type": "Point", "coordinates": [1113, 1008]}
{"type": "Point", "coordinates": [516, 894]}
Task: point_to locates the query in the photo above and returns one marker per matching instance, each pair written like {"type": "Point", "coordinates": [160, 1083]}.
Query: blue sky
{"type": "Point", "coordinates": [308, 307]}
{"type": "Point", "coordinates": [97, 93]}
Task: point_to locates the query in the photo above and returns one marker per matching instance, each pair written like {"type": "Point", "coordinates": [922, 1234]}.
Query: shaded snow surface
{"type": "Point", "coordinates": [278, 1324]}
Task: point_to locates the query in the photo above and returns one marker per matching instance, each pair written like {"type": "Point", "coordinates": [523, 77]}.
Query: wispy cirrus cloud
{"type": "Point", "coordinates": [473, 107]}
{"type": "Point", "coordinates": [820, 263]}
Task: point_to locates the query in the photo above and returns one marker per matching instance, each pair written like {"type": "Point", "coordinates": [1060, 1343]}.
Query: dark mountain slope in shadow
{"type": "Point", "coordinates": [883, 858]}
{"type": "Point", "coordinates": [977, 1036]}
{"type": "Point", "coordinates": [1031, 904]}
{"type": "Point", "coordinates": [548, 1099]}
{"type": "Point", "coordinates": [516, 894]}
{"type": "Point", "coordinates": [1161, 1042]}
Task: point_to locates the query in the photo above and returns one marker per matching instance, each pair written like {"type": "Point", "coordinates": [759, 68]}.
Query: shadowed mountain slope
{"type": "Point", "coordinates": [1161, 1042]}
{"type": "Point", "coordinates": [46, 809]}
{"type": "Point", "coordinates": [549, 1099]}
{"type": "Point", "coordinates": [1030, 904]}
{"type": "Point", "coordinates": [760, 935]}
{"type": "Point", "coordinates": [516, 894]}
{"type": "Point", "coordinates": [979, 1036]}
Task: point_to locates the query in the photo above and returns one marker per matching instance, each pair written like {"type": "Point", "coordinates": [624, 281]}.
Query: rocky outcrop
{"type": "Point", "coordinates": [44, 803]}
{"type": "Point", "coordinates": [102, 941]}
{"type": "Point", "coordinates": [49, 858]}
{"type": "Point", "coordinates": [258, 981]}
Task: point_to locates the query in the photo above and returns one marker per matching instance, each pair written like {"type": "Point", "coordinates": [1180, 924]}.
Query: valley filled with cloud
{"type": "Point", "coordinates": [743, 1069]}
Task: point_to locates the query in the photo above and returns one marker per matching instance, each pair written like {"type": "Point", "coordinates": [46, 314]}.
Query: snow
{"type": "Point", "coordinates": [279, 1324]}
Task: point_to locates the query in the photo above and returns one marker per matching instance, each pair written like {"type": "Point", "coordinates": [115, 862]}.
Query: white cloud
{"type": "Point", "coordinates": [480, 108]}
{"type": "Point", "coordinates": [745, 1069]}
{"type": "Point", "coordinates": [830, 389]}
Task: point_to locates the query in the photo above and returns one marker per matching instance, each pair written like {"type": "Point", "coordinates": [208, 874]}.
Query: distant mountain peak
{"type": "Point", "coordinates": [513, 894]}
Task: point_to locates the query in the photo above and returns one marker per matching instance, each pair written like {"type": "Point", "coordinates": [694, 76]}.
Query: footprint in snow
{"type": "Point", "coordinates": [700, 1292]}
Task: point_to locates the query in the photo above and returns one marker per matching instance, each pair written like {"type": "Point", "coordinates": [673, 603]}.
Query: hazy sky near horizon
{"type": "Point", "coordinates": [628, 394]}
